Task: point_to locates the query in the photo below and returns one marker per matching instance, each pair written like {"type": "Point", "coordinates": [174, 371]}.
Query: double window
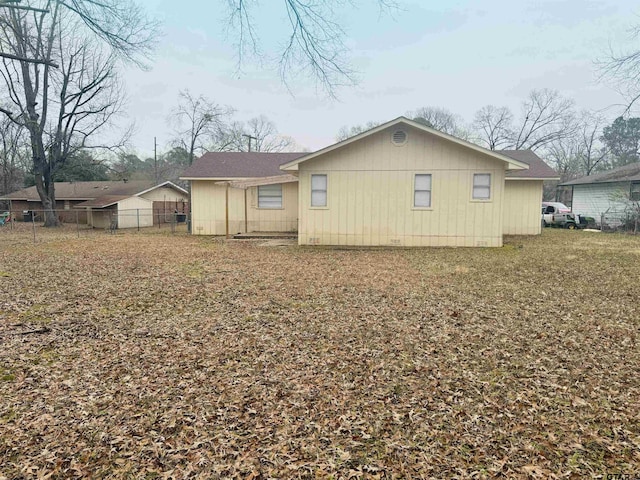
{"type": "Point", "coordinates": [319, 190]}
{"type": "Point", "coordinates": [422, 191]}
{"type": "Point", "coordinates": [270, 196]}
{"type": "Point", "coordinates": [481, 186]}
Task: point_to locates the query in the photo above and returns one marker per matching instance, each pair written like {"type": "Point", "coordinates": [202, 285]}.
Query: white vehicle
{"type": "Point", "coordinates": [556, 214]}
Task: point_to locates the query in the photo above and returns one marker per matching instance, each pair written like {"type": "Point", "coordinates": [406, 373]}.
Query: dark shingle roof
{"type": "Point", "coordinates": [537, 167]}
{"type": "Point", "coordinates": [627, 173]}
{"type": "Point", "coordinates": [239, 165]}
{"type": "Point", "coordinates": [84, 190]}
{"type": "Point", "coordinates": [101, 202]}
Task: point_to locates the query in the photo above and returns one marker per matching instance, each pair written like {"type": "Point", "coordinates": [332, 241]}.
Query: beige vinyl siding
{"type": "Point", "coordinates": [370, 195]}
{"type": "Point", "coordinates": [283, 219]}
{"type": "Point", "coordinates": [134, 212]}
{"type": "Point", "coordinates": [522, 207]}
{"type": "Point", "coordinates": [165, 194]}
{"type": "Point", "coordinates": [208, 208]}
{"type": "Point", "coordinates": [208, 199]}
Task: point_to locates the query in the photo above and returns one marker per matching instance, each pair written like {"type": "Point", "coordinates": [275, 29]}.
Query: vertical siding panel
{"type": "Point", "coordinates": [521, 207]}
{"type": "Point", "coordinates": [373, 198]}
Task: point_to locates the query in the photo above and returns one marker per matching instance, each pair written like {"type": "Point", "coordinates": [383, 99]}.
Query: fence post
{"type": "Point", "coordinates": [77, 223]}
{"type": "Point", "coordinates": [138, 217]}
{"type": "Point", "coordinates": [33, 223]}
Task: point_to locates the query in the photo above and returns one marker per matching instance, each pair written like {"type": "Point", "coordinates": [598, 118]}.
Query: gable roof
{"type": "Point", "coordinates": [92, 190]}
{"type": "Point", "coordinates": [235, 165]}
{"type": "Point", "coordinates": [101, 202]}
{"type": "Point", "coordinates": [512, 163]}
{"type": "Point", "coordinates": [538, 169]}
{"type": "Point", "coordinates": [626, 173]}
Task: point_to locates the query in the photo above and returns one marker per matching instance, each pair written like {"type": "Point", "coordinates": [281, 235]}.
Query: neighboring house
{"type": "Point", "coordinates": [397, 184]}
{"type": "Point", "coordinates": [98, 203]}
{"type": "Point", "coordinates": [605, 192]}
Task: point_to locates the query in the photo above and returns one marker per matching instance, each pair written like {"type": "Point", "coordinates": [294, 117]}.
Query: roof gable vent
{"type": "Point", "coordinates": [399, 137]}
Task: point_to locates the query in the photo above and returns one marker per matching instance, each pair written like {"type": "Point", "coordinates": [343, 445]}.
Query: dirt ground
{"type": "Point", "coordinates": [152, 355]}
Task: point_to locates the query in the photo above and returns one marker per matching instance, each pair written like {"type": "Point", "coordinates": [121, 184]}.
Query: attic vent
{"type": "Point", "coordinates": [399, 137]}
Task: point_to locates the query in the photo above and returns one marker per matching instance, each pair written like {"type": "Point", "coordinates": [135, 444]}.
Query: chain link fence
{"type": "Point", "coordinates": [27, 226]}
{"type": "Point", "coordinates": [626, 221]}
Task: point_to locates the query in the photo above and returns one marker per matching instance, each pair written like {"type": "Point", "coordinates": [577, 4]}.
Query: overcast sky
{"type": "Point", "coordinates": [455, 54]}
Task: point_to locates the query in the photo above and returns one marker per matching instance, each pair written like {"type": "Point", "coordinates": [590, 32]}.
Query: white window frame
{"type": "Point", "coordinates": [326, 190]}
{"type": "Point", "coordinates": [474, 186]}
{"type": "Point", "coordinates": [415, 190]}
{"type": "Point", "coordinates": [280, 207]}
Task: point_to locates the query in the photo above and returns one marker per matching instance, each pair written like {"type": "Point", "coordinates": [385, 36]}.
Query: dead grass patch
{"type": "Point", "coordinates": [185, 357]}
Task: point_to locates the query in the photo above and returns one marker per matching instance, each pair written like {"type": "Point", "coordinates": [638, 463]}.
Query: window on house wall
{"type": "Point", "coordinates": [481, 186]}
{"type": "Point", "coordinates": [318, 190]}
{"type": "Point", "coordinates": [270, 196]}
{"type": "Point", "coordinates": [422, 190]}
{"type": "Point", "coordinates": [635, 192]}
{"type": "Point", "coordinates": [67, 205]}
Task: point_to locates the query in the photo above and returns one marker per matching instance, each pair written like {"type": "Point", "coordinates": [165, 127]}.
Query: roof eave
{"type": "Point", "coordinates": [217, 179]}
{"type": "Point", "coordinates": [163, 184]}
{"type": "Point", "coordinates": [624, 180]}
{"type": "Point", "coordinates": [533, 178]}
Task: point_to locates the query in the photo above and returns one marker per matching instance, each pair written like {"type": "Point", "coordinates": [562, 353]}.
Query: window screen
{"type": "Point", "coordinates": [318, 190]}
{"type": "Point", "coordinates": [481, 186]}
{"type": "Point", "coordinates": [270, 196]}
{"type": "Point", "coordinates": [422, 190]}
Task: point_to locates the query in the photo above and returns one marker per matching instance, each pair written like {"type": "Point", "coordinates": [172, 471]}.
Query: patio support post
{"type": "Point", "coordinates": [226, 210]}
{"type": "Point", "coordinates": [246, 228]}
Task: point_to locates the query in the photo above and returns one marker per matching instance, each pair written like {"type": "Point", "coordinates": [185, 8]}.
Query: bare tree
{"type": "Point", "coordinates": [312, 45]}
{"type": "Point", "coordinates": [439, 119]}
{"type": "Point", "coordinates": [63, 107]}
{"type": "Point", "coordinates": [494, 127]}
{"type": "Point", "coordinates": [348, 132]}
{"type": "Point", "coordinates": [199, 122]}
{"type": "Point", "coordinates": [267, 138]}
{"type": "Point", "coordinates": [12, 155]}
{"type": "Point", "coordinates": [592, 152]}
{"type": "Point", "coordinates": [262, 133]}
{"type": "Point", "coordinates": [624, 69]}
{"type": "Point", "coordinates": [546, 117]}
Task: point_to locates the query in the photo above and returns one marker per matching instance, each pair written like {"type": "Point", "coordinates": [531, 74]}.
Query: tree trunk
{"type": "Point", "coordinates": [46, 192]}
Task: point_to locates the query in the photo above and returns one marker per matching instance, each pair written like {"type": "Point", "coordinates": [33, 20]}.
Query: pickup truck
{"type": "Point", "coordinates": [556, 214]}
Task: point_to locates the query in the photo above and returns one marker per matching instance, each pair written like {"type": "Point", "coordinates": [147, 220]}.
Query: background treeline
{"type": "Point", "coordinates": [574, 142]}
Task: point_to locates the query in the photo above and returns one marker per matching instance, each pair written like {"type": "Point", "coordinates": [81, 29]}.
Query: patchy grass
{"type": "Point", "coordinates": [160, 356]}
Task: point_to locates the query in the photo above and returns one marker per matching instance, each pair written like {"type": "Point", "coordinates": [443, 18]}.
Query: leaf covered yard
{"type": "Point", "coordinates": [158, 356]}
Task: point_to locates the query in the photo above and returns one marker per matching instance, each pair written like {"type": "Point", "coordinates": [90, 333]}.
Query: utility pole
{"type": "Point", "coordinates": [250, 137]}
{"type": "Point", "coordinates": [155, 160]}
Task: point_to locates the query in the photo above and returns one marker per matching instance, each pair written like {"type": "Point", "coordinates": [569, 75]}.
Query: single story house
{"type": "Point", "coordinates": [98, 203]}
{"type": "Point", "coordinates": [605, 193]}
{"type": "Point", "coordinates": [401, 183]}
